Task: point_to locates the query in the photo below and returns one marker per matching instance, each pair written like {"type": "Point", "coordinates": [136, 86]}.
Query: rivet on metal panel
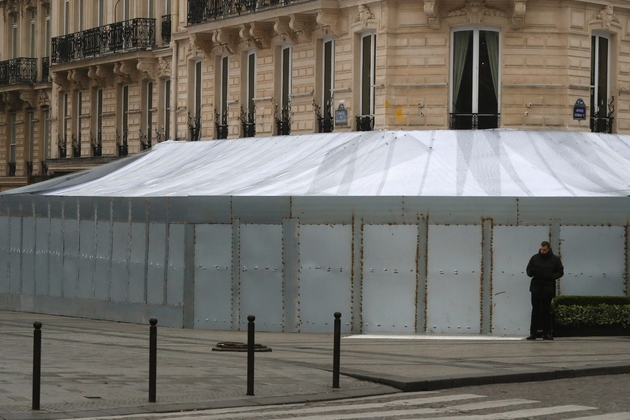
{"type": "Point", "coordinates": [455, 272]}
{"type": "Point", "coordinates": [441, 271]}
{"type": "Point", "coordinates": [371, 270]}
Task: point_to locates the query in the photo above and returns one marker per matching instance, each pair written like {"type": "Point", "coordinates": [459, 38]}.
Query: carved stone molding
{"type": "Point", "coordinates": [28, 98]}
{"type": "Point", "coordinates": [30, 4]}
{"type": "Point", "coordinates": [329, 22]}
{"type": "Point", "coordinates": [61, 80]}
{"type": "Point", "coordinates": [607, 17]}
{"type": "Point", "coordinates": [225, 40]}
{"type": "Point", "coordinates": [364, 14]}
{"type": "Point", "coordinates": [476, 11]}
{"type": "Point", "coordinates": [303, 27]}
{"type": "Point", "coordinates": [125, 72]}
{"type": "Point", "coordinates": [147, 69]}
{"type": "Point", "coordinates": [10, 101]}
{"type": "Point", "coordinates": [282, 29]}
{"type": "Point", "coordinates": [518, 13]}
{"type": "Point", "coordinates": [44, 99]}
{"type": "Point", "coordinates": [78, 79]}
{"type": "Point", "coordinates": [99, 76]}
{"type": "Point", "coordinates": [432, 12]}
{"type": "Point", "coordinates": [261, 33]}
{"type": "Point", "coordinates": [164, 67]}
{"type": "Point", "coordinates": [201, 43]}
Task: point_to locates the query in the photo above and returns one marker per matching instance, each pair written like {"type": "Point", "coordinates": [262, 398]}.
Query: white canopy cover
{"type": "Point", "coordinates": [494, 163]}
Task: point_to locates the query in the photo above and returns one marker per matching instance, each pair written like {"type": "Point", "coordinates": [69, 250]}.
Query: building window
{"type": "Point", "coordinates": [31, 141]}
{"type": "Point", "coordinates": [221, 113]}
{"type": "Point", "coordinates": [32, 34]}
{"type": "Point", "coordinates": [283, 109]}
{"type": "Point", "coordinates": [194, 118]}
{"type": "Point", "coordinates": [150, 9]}
{"type": "Point", "coordinates": [126, 10]}
{"type": "Point", "coordinates": [147, 141]}
{"type": "Point", "coordinates": [80, 15]}
{"type": "Point", "coordinates": [15, 35]}
{"type": "Point", "coordinates": [47, 30]}
{"type": "Point", "coordinates": [167, 7]}
{"type": "Point", "coordinates": [66, 17]}
{"type": "Point", "coordinates": [167, 109]}
{"type": "Point", "coordinates": [100, 12]}
{"type": "Point", "coordinates": [124, 126]}
{"type": "Point", "coordinates": [475, 79]}
{"type": "Point", "coordinates": [601, 101]}
{"type": "Point", "coordinates": [97, 143]}
{"type": "Point", "coordinates": [248, 111]}
{"type": "Point", "coordinates": [65, 129]}
{"type": "Point", "coordinates": [365, 120]}
{"type": "Point", "coordinates": [13, 145]}
{"type": "Point", "coordinates": [76, 137]}
{"type": "Point", "coordinates": [325, 110]}
{"type": "Point", "coordinates": [46, 139]}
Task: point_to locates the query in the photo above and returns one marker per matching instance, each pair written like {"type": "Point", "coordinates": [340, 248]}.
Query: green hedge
{"type": "Point", "coordinates": [592, 311]}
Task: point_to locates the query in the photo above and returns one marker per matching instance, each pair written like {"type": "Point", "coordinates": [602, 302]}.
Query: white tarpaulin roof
{"type": "Point", "coordinates": [378, 163]}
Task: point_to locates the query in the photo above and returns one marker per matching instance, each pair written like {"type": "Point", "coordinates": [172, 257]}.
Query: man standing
{"type": "Point", "coordinates": [544, 268]}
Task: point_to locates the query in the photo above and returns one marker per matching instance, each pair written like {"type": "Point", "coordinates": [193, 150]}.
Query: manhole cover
{"type": "Point", "coordinates": [237, 346]}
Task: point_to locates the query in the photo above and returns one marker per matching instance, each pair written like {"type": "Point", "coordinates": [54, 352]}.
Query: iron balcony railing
{"type": "Point", "coordinates": [166, 29]}
{"type": "Point", "coordinates": [365, 123]}
{"type": "Point", "coordinates": [474, 121]}
{"type": "Point", "coordinates": [123, 145]}
{"type": "Point", "coordinates": [602, 124]}
{"type": "Point", "coordinates": [11, 168]}
{"type": "Point", "coordinates": [200, 11]}
{"type": "Point", "coordinates": [283, 121]}
{"type": "Point", "coordinates": [29, 168]}
{"type": "Point", "coordinates": [18, 71]}
{"type": "Point", "coordinates": [97, 144]}
{"type": "Point", "coordinates": [128, 35]}
{"type": "Point", "coordinates": [325, 122]}
{"type": "Point", "coordinates": [248, 121]}
{"type": "Point", "coordinates": [221, 123]}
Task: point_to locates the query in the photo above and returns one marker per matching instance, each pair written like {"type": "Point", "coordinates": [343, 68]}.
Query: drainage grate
{"type": "Point", "coordinates": [239, 347]}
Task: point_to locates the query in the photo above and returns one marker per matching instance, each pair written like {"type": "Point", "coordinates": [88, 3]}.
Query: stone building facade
{"type": "Point", "coordinates": [126, 74]}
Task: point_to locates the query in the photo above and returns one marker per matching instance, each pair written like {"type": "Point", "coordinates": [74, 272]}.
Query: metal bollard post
{"type": "Point", "coordinates": [250, 354]}
{"type": "Point", "coordinates": [336, 350]}
{"type": "Point", "coordinates": [152, 358]}
{"type": "Point", "coordinates": [37, 363]}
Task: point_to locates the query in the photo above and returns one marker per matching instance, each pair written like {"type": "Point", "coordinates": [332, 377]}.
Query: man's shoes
{"type": "Point", "coordinates": [531, 337]}
{"type": "Point", "coordinates": [547, 337]}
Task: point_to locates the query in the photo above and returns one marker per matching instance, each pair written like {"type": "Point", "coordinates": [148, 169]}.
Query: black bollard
{"type": "Point", "coordinates": [37, 363]}
{"type": "Point", "coordinates": [152, 358]}
{"type": "Point", "coordinates": [250, 354]}
{"type": "Point", "coordinates": [336, 349]}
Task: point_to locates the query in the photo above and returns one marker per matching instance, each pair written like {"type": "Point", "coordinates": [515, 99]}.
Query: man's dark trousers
{"type": "Point", "coordinates": [540, 320]}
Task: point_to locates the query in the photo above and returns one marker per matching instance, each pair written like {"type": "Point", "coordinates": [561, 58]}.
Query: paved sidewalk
{"type": "Point", "coordinates": [98, 368]}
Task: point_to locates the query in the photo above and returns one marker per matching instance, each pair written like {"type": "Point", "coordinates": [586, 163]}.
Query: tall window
{"type": "Point", "coordinates": [147, 143]}
{"type": "Point", "coordinates": [365, 121]}
{"type": "Point", "coordinates": [283, 116]}
{"type": "Point", "coordinates": [126, 10]}
{"type": "Point", "coordinates": [47, 30]}
{"type": "Point", "coordinates": [167, 6]}
{"type": "Point", "coordinates": [248, 117]}
{"type": "Point", "coordinates": [475, 79]}
{"type": "Point", "coordinates": [150, 8]}
{"type": "Point", "coordinates": [13, 145]}
{"type": "Point", "coordinates": [66, 17]}
{"type": "Point", "coordinates": [167, 108]}
{"type": "Point", "coordinates": [32, 34]}
{"type": "Point", "coordinates": [124, 127]}
{"type": "Point", "coordinates": [100, 10]}
{"type": "Point", "coordinates": [328, 63]}
{"type": "Point", "coordinates": [76, 141]}
{"type": "Point", "coordinates": [31, 140]}
{"type": "Point", "coordinates": [46, 118]}
{"type": "Point", "coordinates": [80, 15]}
{"type": "Point", "coordinates": [97, 147]}
{"type": "Point", "coordinates": [221, 114]}
{"type": "Point", "coordinates": [67, 121]}
{"type": "Point", "coordinates": [15, 35]}
{"type": "Point", "coordinates": [601, 101]}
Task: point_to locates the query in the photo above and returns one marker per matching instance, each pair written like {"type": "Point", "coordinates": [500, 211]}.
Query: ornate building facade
{"type": "Point", "coordinates": [84, 82]}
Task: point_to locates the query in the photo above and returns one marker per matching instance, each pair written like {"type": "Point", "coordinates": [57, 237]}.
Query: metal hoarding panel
{"type": "Point", "coordinates": [28, 256]}
{"type": "Point", "coordinates": [120, 262]}
{"type": "Point", "coordinates": [454, 279]}
{"type": "Point", "coordinates": [325, 277]}
{"type": "Point", "coordinates": [15, 255]}
{"type": "Point", "coordinates": [87, 238]}
{"type": "Point", "coordinates": [137, 264]}
{"type": "Point", "coordinates": [42, 269]}
{"type": "Point", "coordinates": [261, 276]}
{"type": "Point", "coordinates": [102, 260]}
{"type": "Point", "coordinates": [70, 257]}
{"type": "Point", "coordinates": [55, 258]}
{"type": "Point", "coordinates": [176, 262]}
{"type": "Point", "coordinates": [593, 259]}
{"type": "Point", "coordinates": [156, 274]}
{"type": "Point", "coordinates": [213, 277]}
{"type": "Point", "coordinates": [4, 255]}
{"type": "Point", "coordinates": [201, 209]}
{"type": "Point", "coordinates": [512, 247]}
{"type": "Point", "coordinates": [265, 209]}
{"type": "Point", "coordinates": [389, 278]}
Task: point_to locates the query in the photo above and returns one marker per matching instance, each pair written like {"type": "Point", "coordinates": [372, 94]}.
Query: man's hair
{"type": "Point", "coordinates": [545, 243]}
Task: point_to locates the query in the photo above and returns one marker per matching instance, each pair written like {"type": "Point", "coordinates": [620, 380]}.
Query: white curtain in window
{"type": "Point", "coordinates": [460, 51]}
{"type": "Point", "coordinates": [492, 41]}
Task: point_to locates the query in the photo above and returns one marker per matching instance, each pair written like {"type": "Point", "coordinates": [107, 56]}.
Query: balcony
{"type": "Point", "coordinates": [18, 71]}
{"type": "Point", "coordinates": [201, 11]}
{"type": "Point", "coordinates": [129, 35]}
{"type": "Point", "coordinates": [45, 69]}
{"type": "Point", "coordinates": [221, 123]}
{"type": "Point", "coordinates": [166, 29]}
{"type": "Point", "coordinates": [602, 124]}
{"type": "Point", "coordinates": [365, 123]}
{"type": "Point", "coordinates": [474, 121]}
{"type": "Point", "coordinates": [248, 122]}
{"type": "Point", "coordinates": [11, 168]}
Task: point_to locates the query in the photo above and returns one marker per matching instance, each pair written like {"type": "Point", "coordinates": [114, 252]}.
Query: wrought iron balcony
{"type": "Point", "coordinates": [166, 29]}
{"type": "Point", "coordinates": [248, 121]}
{"type": "Point", "coordinates": [602, 124]}
{"type": "Point", "coordinates": [365, 123]}
{"type": "Point", "coordinates": [11, 168]}
{"type": "Point", "coordinates": [123, 146]}
{"type": "Point", "coordinates": [29, 168]}
{"type": "Point", "coordinates": [128, 35]}
{"type": "Point", "coordinates": [283, 120]}
{"type": "Point", "coordinates": [474, 121]}
{"type": "Point", "coordinates": [325, 122]}
{"type": "Point", "coordinates": [18, 71]}
{"type": "Point", "coordinates": [200, 11]}
{"type": "Point", "coordinates": [221, 122]}
{"type": "Point", "coordinates": [97, 145]}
